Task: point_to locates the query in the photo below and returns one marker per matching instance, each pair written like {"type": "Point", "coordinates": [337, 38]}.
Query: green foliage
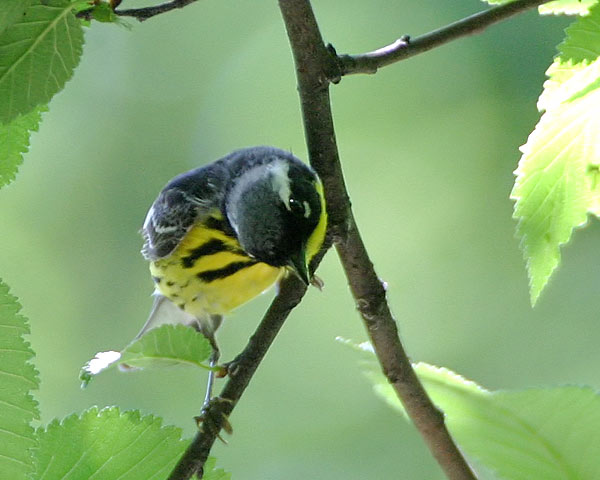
{"type": "Point", "coordinates": [557, 177]}
{"type": "Point", "coordinates": [568, 7]}
{"type": "Point", "coordinates": [574, 69]}
{"type": "Point", "coordinates": [534, 434]}
{"type": "Point", "coordinates": [14, 142]}
{"type": "Point", "coordinates": [166, 345]}
{"type": "Point", "coordinates": [211, 472]}
{"type": "Point", "coordinates": [538, 433]}
{"type": "Point", "coordinates": [11, 11]}
{"type": "Point", "coordinates": [37, 56]}
{"type": "Point", "coordinates": [17, 378]}
{"type": "Point", "coordinates": [107, 444]}
{"type": "Point", "coordinates": [104, 444]}
{"type": "Point", "coordinates": [103, 12]}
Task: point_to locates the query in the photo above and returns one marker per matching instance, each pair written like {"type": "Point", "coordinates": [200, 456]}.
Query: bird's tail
{"type": "Point", "coordinates": [166, 312]}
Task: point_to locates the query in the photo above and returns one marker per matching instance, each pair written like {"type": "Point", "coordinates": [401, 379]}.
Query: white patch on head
{"type": "Point", "coordinates": [280, 181]}
{"type": "Point", "coordinates": [277, 169]}
{"type": "Point", "coordinates": [307, 210]}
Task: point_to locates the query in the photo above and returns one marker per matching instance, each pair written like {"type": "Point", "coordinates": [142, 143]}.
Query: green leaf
{"type": "Point", "coordinates": [107, 444]}
{"type": "Point", "coordinates": [166, 345]}
{"type": "Point", "coordinates": [38, 54]}
{"type": "Point", "coordinates": [103, 12]}
{"type": "Point", "coordinates": [567, 7]}
{"type": "Point", "coordinates": [534, 434]}
{"type": "Point", "coordinates": [14, 142]}
{"type": "Point", "coordinates": [545, 434]}
{"type": "Point", "coordinates": [18, 377]}
{"type": "Point", "coordinates": [553, 189]}
{"type": "Point", "coordinates": [11, 11]}
{"type": "Point", "coordinates": [211, 472]}
{"type": "Point", "coordinates": [557, 177]}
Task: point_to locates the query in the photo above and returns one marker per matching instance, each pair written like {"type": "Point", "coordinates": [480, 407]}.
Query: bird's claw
{"type": "Point", "coordinates": [317, 282]}
{"type": "Point", "coordinates": [230, 368]}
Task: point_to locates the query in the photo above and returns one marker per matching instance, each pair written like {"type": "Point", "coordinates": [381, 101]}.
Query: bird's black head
{"type": "Point", "coordinates": [277, 210]}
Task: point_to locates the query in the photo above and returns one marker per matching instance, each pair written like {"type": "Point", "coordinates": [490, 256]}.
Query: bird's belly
{"type": "Point", "coordinates": [198, 294]}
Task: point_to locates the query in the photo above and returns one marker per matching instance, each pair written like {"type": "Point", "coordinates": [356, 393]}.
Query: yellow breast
{"type": "Point", "coordinates": [210, 274]}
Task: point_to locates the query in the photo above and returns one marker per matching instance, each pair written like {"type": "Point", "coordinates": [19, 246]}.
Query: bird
{"type": "Point", "coordinates": [219, 235]}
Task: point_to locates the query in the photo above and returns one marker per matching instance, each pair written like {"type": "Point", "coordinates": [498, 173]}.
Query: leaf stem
{"type": "Point", "coordinates": [406, 47]}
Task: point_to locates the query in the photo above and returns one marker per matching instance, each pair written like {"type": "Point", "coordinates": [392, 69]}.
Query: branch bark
{"type": "Point", "coordinates": [145, 13]}
{"type": "Point", "coordinates": [406, 47]}
{"type": "Point", "coordinates": [314, 66]}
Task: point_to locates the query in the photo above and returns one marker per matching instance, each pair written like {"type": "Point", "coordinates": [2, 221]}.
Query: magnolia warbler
{"type": "Point", "coordinates": [219, 235]}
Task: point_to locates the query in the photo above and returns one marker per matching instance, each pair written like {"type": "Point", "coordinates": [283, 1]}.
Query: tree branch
{"type": "Point", "coordinates": [147, 12]}
{"type": "Point", "coordinates": [314, 66]}
{"type": "Point", "coordinates": [291, 291]}
{"type": "Point", "coordinates": [405, 47]}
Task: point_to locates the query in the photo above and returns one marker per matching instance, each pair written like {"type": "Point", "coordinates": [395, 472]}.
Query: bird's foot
{"type": "Point", "coordinates": [212, 419]}
{"type": "Point", "coordinates": [230, 368]}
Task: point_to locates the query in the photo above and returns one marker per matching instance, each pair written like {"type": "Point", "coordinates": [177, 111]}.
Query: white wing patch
{"type": "Point", "coordinates": [159, 229]}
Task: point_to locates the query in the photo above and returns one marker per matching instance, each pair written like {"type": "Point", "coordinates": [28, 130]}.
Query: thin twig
{"type": "Point", "coordinates": [313, 68]}
{"type": "Point", "coordinates": [406, 47]}
{"type": "Point", "coordinates": [147, 12]}
{"type": "Point", "coordinates": [291, 291]}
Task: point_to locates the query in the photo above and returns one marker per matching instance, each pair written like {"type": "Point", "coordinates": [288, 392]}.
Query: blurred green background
{"type": "Point", "coordinates": [428, 148]}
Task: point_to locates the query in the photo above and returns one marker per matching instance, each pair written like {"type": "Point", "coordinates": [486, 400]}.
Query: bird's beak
{"type": "Point", "coordinates": [299, 266]}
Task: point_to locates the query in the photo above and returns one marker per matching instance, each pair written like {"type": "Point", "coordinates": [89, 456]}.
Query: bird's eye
{"type": "Point", "coordinates": [296, 207]}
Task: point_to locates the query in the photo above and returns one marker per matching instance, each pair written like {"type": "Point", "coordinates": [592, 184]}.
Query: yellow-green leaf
{"type": "Point", "coordinates": [557, 177]}
{"type": "Point", "coordinates": [567, 7]}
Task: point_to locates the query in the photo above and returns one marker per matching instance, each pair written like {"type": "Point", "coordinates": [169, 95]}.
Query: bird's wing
{"type": "Point", "coordinates": [169, 219]}
{"type": "Point", "coordinates": [182, 203]}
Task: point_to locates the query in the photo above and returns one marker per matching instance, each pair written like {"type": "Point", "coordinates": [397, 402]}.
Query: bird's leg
{"type": "Point", "coordinates": [212, 361]}
{"type": "Point", "coordinates": [207, 327]}
{"type": "Point", "coordinates": [212, 416]}
{"type": "Point", "coordinates": [208, 416]}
